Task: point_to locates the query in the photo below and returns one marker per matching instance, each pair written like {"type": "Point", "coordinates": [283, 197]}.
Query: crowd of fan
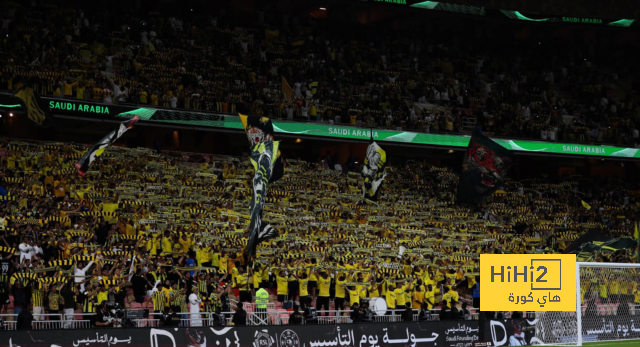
{"type": "Point", "coordinates": [146, 230]}
{"type": "Point", "coordinates": [442, 81]}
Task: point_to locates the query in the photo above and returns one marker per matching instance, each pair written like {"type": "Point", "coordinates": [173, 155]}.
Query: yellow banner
{"type": "Point", "coordinates": [528, 282]}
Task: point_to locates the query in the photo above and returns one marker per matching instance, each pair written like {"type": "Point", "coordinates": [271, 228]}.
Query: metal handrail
{"type": "Point", "coordinates": [270, 317]}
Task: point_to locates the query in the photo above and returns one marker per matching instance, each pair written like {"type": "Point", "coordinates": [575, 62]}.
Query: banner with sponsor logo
{"type": "Point", "coordinates": [91, 110]}
{"type": "Point", "coordinates": [447, 333]}
{"type": "Point", "coordinates": [511, 332]}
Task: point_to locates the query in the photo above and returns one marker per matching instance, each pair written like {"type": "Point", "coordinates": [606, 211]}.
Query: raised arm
{"type": "Point", "coordinates": [86, 268]}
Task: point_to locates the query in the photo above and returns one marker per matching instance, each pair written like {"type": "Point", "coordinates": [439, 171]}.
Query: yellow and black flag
{"type": "Point", "coordinates": [268, 167]}
{"type": "Point", "coordinates": [260, 130]}
{"type": "Point", "coordinates": [36, 109]}
{"type": "Point", "coordinates": [262, 159]}
{"type": "Point", "coordinates": [83, 164]}
{"type": "Point", "coordinates": [373, 171]}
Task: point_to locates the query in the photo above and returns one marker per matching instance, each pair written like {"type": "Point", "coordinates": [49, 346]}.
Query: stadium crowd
{"type": "Point", "coordinates": [148, 230]}
{"type": "Point", "coordinates": [298, 68]}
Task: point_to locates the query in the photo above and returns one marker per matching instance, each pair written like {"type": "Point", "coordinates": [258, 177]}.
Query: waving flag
{"type": "Point", "coordinates": [83, 164]}
{"type": "Point", "coordinates": [269, 167]}
{"type": "Point", "coordinates": [262, 159]}
{"type": "Point", "coordinates": [484, 169]}
{"type": "Point", "coordinates": [258, 130]}
{"type": "Point", "coordinates": [37, 111]}
{"type": "Point", "coordinates": [373, 171]}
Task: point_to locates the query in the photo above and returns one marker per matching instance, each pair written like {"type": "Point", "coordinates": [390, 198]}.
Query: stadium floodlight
{"type": "Point", "coordinates": [607, 308]}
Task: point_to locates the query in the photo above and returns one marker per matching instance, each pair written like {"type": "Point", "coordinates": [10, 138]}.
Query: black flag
{"type": "Point", "coordinates": [83, 164]}
{"type": "Point", "coordinates": [484, 169]}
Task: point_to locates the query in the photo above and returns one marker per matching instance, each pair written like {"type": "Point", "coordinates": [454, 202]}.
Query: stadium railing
{"type": "Point", "coordinates": [8, 321]}
{"type": "Point", "coordinates": [270, 317]}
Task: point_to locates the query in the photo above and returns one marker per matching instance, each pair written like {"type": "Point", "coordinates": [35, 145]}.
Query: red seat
{"type": "Point", "coordinates": [284, 318]}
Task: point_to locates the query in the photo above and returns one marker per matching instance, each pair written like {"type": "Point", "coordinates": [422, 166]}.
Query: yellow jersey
{"type": "Point", "coordinates": [302, 283]}
{"type": "Point", "coordinates": [418, 298]}
{"type": "Point", "coordinates": [324, 285]}
{"type": "Point", "coordinates": [354, 296]}
{"type": "Point", "coordinates": [400, 298]}
{"type": "Point", "coordinates": [391, 300]}
{"type": "Point", "coordinates": [430, 299]}
{"type": "Point", "coordinates": [340, 285]}
{"type": "Point", "coordinates": [283, 285]}
{"type": "Point", "coordinates": [242, 281]}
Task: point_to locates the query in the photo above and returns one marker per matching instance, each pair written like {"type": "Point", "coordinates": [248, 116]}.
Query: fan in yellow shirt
{"type": "Point", "coordinates": [185, 242]}
{"type": "Point", "coordinates": [154, 99]}
{"type": "Point", "coordinates": [418, 297]}
{"type": "Point", "coordinates": [324, 283]}
{"type": "Point", "coordinates": [401, 300]}
{"type": "Point", "coordinates": [430, 297]}
{"type": "Point", "coordinates": [636, 294]}
{"type": "Point", "coordinates": [354, 295]}
{"type": "Point", "coordinates": [143, 96]}
{"type": "Point", "coordinates": [451, 296]}
{"type": "Point", "coordinates": [282, 285]}
{"type": "Point", "coordinates": [374, 292]}
{"type": "Point", "coordinates": [390, 298]}
{"type": "Point", "coordinates": [340, 291]}
{"type": "Point", "coordinates": [167, 246]}
{"type": "Point", "coordinates": [223, 263]}
{"type": "Point", "coordinates": [256, 277]}
{"type": "Point", "coordinates": [303, 286]}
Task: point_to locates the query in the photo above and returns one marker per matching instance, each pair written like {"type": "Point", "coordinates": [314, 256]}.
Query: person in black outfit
{"type": "Point", "coordinates": [169, 318]}
{"type": "Point", "coordinates": [296, 316]}
{"type": "Point", "coordinates": [139, 283]}
{"type": "Point", "coordinates": [465, 313]}
{"type": "Point", "coordinates": [454, 314]}
{"type": "Point", "coordinates": [69, 303]}
{"type": "Point", "coordinates": [424, 312]}
{"type": "Point", "coordinates": [19, 296]}
{"type": "Point", "coordinates": [240, 317]}
{"type": "Point", "coordinates": [103, 316]}
{"type": "Point", "coordinates": [25, 318]}
{"type": "Point", "coordinates": [102, 232]}
{"type": "Point", "coordinates": [356, 313]}
{"type": "Point", "coordinates": [219, 320]}
{"type": "Point", "coordinates": [310, 313]}
{"type": "Point", "coordinates": [444, 314]}
{"type": "Point", "coordinates": [367, 314]}
{"type": "Point", "coordinates": [407, 314]}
